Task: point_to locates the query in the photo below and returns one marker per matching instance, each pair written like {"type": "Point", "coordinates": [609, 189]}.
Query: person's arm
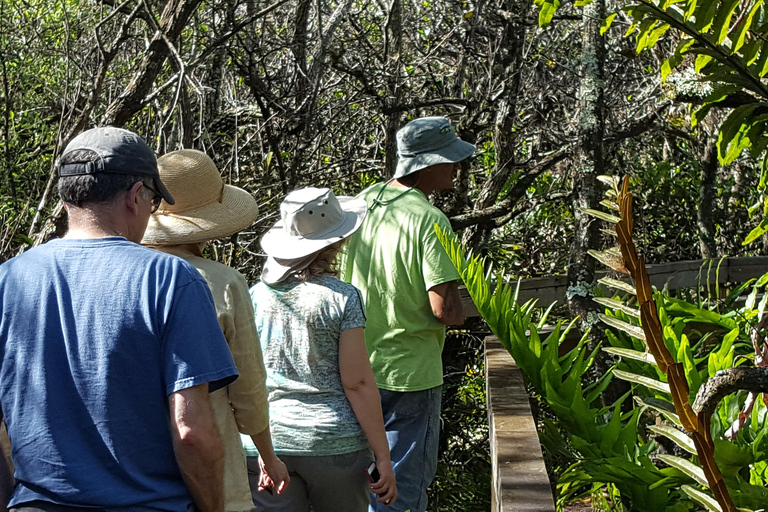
{"type": "Point", "coordinates": [363, 395]}
{"type": "Point", "coordinates": [446, 303]}
{"type": "Point", "coordinates": [197, 446]}
{"type": "Point", "coordinates": [271, 465]}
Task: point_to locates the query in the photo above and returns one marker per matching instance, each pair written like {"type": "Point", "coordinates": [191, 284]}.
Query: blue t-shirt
{"type": "Point", "coordinates": [95, 335]}
{"type": "Point", "coordinates": [299, 324]}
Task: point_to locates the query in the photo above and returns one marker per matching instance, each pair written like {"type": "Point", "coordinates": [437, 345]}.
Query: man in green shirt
{"type": "Point", "coordinates": [411, 293]}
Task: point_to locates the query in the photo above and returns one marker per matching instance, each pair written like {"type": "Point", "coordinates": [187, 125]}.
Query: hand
{"type": "Point", "coordinates": [274, 474]}
{"type": "Point", "coordinates": [386, 487]}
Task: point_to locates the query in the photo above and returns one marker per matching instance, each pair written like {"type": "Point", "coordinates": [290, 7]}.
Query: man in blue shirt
{"type": "Point", "coordinates": [108, 350]}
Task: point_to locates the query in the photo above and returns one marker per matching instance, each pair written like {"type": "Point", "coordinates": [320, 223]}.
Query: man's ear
{"type": "Point", "coordinates": [132, 197]}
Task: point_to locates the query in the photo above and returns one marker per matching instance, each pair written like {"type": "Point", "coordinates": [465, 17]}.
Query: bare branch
{"type": "Point", "coordinates": [730, 381]}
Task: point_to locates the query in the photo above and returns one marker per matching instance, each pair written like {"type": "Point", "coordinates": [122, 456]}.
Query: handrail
{"type": "Point", "coordinates": [519, 482]}
{"type": "Point", "coordinates": [676, 275]}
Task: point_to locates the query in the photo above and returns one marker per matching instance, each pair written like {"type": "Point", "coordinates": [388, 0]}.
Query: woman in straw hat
{"type": "Point", "coordinates": [324, 404]}
{"type": "Point", "coordinates": [207, 209]}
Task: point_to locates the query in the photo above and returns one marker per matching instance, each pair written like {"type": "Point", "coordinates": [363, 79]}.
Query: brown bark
{"type": "Point", "coordinates": [172, 22]}
{"type": "Point", "coordinates": [729, 381]}
{"type": "Point", "coordinates": [589, 164]}
{"type": "Point", "coordinates": [510, 60]}
{"type": "Point", "coordinates": [707, 199]}
{"type": "Point", "coordinates": [393, 49]}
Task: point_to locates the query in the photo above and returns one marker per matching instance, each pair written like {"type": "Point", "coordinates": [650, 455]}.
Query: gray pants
{"type": "Point", "coordinates": [333, 483]}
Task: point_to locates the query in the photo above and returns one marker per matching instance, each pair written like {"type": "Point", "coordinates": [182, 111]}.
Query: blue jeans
{"type": "Point", "coordinates": [412, 422]}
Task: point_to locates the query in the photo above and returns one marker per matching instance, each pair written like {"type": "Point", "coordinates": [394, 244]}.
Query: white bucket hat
{"type": "Point", "coordinates": [205, 209]}
{"type": "Point", "coordinates": [428, 141]}
{"type": "Point", "coordinates": [311, 219]}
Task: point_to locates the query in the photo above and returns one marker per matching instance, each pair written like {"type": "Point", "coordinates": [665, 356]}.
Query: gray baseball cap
{"type": "Point", "coordinates": [112, 150]}
{"type": "Point", "coordinates": [428, 141]}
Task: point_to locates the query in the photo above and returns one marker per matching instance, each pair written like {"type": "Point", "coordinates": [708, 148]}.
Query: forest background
{"type": "Point", "coordinates": [290, 93]}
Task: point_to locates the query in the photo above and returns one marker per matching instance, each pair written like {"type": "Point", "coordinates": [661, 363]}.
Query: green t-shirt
{"type": "Point", "coordinates": [394, 259]}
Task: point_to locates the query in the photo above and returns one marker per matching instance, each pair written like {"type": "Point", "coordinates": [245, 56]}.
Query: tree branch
{"type": "Point", "coordinates": [506, 205]}
{"type": "Point", "coordinates": [404, 107]}
{"type": "Point", "coordinates": [729, 381]}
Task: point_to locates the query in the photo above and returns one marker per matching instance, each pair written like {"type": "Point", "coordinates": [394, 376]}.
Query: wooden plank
{"type": "Point", "coordinates": [679, 274]}
{"type": "Point", "coordinates": [520, 482]}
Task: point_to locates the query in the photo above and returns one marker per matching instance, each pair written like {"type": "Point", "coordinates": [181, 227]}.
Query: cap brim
{"type": "Point", "coordinates": [457, 151]}
{"type": "Point", "coordinates": [279, 244]}
{"type": "Point", "coordinates": [163, 190]}
{"type": "Point", "coordinates": [236, 211]}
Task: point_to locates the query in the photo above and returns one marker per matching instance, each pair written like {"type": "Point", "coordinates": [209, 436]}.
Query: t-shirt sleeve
{"type": "Point", "coordinates": [354, 313]}
{"type": "Point", "coordinates": [195, 350]}
{"type": "Point", "coordinates": [436, 266]}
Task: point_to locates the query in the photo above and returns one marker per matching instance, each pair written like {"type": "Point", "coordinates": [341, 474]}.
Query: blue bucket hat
{"type": "Point", "coordinates": [428, 141]}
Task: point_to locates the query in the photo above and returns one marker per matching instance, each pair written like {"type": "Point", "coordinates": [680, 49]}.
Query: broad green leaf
{"type": "Point", "coordinates": [728, 130]}
{"type": "Point", "coordinates": [751, 51]}
{"type": "Point", "coordinates": [612, 182]}
{"type": "Point", "coordinates": [689, 468]}
{"type": "Point", "coordinates": [632, 330]}
{"type": "Point", "coordinates": [690, 8]}
{"type": "Point", "coordinates": [548, 10]}
{"type": "Point", "coordinates": [610, 204]}
{"type": "Point", "coordinates": [601, 215]}
{"type": "Point", "coordinates": [744, 25]}
{"type": "Point", "coordinates": [719, 94]}
{"type": "Point", "coordinates": [617, 304]}
{"type": "Point", "coordinates": [705, 14]}
{"type": "Point", "coordinates": [619, 285]}
{"type": "Point", "coordinates": [702, 499]}
{"type": "Point", "coordinates": [722, 21]}
{"type": "Point", "coordinates": [628, 353]}
{"type": "Point", "coordinates": [665, 408]}
{"type": "Point", "coordinates": [757, 232]}
{"type": "Point", "coordinates": [655, 34]}
{"type": "Point", "coordinates": [676, 59]}
{"type": "Point", "coordinates": [681, 438]}
{"type": "Point", "coordinates": [607, 23]}
{"type": "Point", "coordinates": [701, 61]}
{"type": "Point", "coordinates": [642, 380]}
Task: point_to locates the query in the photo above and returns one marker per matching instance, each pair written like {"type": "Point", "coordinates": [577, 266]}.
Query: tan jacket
{"type": "Point", "coordinates": [242, 406]}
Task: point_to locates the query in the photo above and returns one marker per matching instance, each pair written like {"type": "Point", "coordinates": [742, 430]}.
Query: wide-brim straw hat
{"type": "Point", "coordinates": [426, 142]}
{"type": "Point", "coordinates": [312, 219]}
{"type": "Point", "coordinates": [206, 208]}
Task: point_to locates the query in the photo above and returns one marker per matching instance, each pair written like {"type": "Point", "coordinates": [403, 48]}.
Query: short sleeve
{"type": "Point", "coordinates": [194, 348]}
{"type": "Point", "coordinates": [354, 314]}
{"type": "Point", "coordinates": [436, 266]}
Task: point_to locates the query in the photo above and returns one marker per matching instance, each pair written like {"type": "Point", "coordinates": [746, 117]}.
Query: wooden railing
{"type": "Point", "coordinates": [520, 482]}
{"type": "Point", "coordinates": [680, 274]}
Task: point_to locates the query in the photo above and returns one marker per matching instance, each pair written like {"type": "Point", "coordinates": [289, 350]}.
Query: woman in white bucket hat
{"type": "Point", "coordinates": [324, 403]}
{"type": "Point", "coordinates": [206, 209]}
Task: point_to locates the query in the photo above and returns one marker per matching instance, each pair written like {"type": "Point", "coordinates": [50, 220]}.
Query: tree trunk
{"type": "Point", "coordinates": [589, 164]}
{"type": "Point", "coordinates": [707, 199]}
{"type": "Point", "coordinates": [510, 59]}
{"type": "Point", "coordinates": [172, 22]}
{"type": "Point", "coordinates": [393, 50]}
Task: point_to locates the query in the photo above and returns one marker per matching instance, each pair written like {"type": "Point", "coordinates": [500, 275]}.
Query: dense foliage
{"type": "Point", "coordinates": [635, 449]}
